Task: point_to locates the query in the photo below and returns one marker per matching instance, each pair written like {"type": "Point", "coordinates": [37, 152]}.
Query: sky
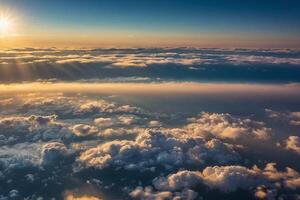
{"type": "Point", "coordinates": [224, 23]}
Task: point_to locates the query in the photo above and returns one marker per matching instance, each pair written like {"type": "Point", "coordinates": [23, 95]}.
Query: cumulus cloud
{"type": "Point", "coordinates": [147, 193]}
{"type": "Point", "coordinates": [127, 119]}
{"type": "Point", "coordinates": [31, 128]}
{"type": "Point", "coordinates": [227, 126]}
{"type": "Point", "coordinates": [153, 147]}
{"type": "Point", "coordinates": [84, 130]}
{"type": "Point", "coordinates": [155, 123]}
{"type": "Point", "coordinates": [48, 139]}
{"type": "Point", "coordinates": [75, 106]}
{"type": "Point", "coordinates": [293, 144]}
{"type": "Point", "coordinates": [20, 156]}
{"type": "Point", "coordinates": [230, 178]}
{"type": "Point", "coordinates": [104, 122]}
{"type": "Point", "coordinates": [293, 118]}
{"type": "Point", "coordinates": [52, 152]}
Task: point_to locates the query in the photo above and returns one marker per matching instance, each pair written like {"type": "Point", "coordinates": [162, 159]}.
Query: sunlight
{"type": "Point", "coordinates": [6, 25]}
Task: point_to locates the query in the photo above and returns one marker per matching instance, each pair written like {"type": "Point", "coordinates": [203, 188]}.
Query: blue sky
{"type": "Point", "coordinates": [275, 20]}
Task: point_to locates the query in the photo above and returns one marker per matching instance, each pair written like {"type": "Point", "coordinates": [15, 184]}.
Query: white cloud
{"type": "Point", "coordinates": [147, 193]}
{"type": "Point", "coordinates": [84, 130]}
{"type": "Point", "coordinates": [230, 178]}
{"type": "Point", "coordinates": [178, 181]}
{"type": "Point", "coordinates": [127, 119]}
{"type": "Point", "coordinates": [225, 126]}
{"type": "Point", "coordinates": [104, 122]}
{"type": "Point", "coordinates": [153, 147]}
{"type": "Point", "coordinates": [17, 128]}
{"type": "Point", "coordinates": [20, 155]}
{"type": "Point", "coordinates": [124, 58]}
{"type": "Point", "coordinates": [155, 123]}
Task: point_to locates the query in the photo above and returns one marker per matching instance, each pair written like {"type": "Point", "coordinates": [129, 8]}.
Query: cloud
{"type": "Point", "coordinates": [52, 152]}
{"type": "Point", "coordinates": [183, 63]}
{"type": "Point", "coordinates": [178, 181]}
{"type": "Point", "coordinates": [252, 59]}
{"type": "Point", "coordinates": [127, 119]}
{"type": "Point", "coordinates": [84, 130]}
{"type": "Point", "coordinates": [293, 144]}
{"type": "Point", "coordinates": [263, 193]}
{"type": "Point", "coordinates": [79, 195]}
{"type": "Point", "coordinates": [50, 140]}
{"type": "Point", "coordinates": [155, 123]}
{"type": "Point", "coordinates": [31, 128]}
{"type": "Point", "coordinates": [293, 118]}
{"type": "Point", "coordinates": [21, 155]}
{"type": "Point", "coordinates": [104, 122]}
{"type": "Point", "coordinates": [225, 126]}
{"type": "Point", "coordinates": [229, 179]}
{"type": "Point", "coordinates": [152, 148]}
{"type": "Point", "coordinates": [147, 193]}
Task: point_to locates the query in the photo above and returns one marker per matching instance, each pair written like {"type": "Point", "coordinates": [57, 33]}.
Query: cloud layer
{"type": "Point", "coordinates": [264, 65]}
{"type": "Point", "coordinates": [54, 143]}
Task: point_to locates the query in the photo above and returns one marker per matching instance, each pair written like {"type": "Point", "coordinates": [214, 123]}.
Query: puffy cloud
{"type": "Point", "coordinates": [84, 130]}
{"type": "Point", "coordinates": [85, 136]}
{"type": "Point", "coordinates": [102, 106]}
{"type": "Point", "coordinates": [225, 126]}
{"type": "Point", "coordinates": [230, 178]}
{"type": "Point", "coordinates": [153, 147]}
{"type": "Point", "coordinates": [75, 106]}
{"type": "Point", "coordinates": [31, 128]}
{"type": "Point", "coordinates": [20, 156]}
{"type": "Point", "coordinates": [155, 123]}
{"type": "Point", "coordinates": [264, 193]}
{"type": "Point", "coordinates": [118, 132]}
{"type": "Point", "coordinates": [24, 155]}
{"type": "Point", "coordinates": [178, 181]}
{"type": "Point", "coordinates": [293, 118]}
{"type": "Point", "coordinates": [147, 193]}
{"type": "Point", "coordinates": [127, 119]}
{"type": "Point", "coordinates": [104, 122]}
{"type": "Point", "coordinates": [123, 120]}
{"type": "Point", "coordinates": [293, 144]}
{"type": "Point", "coordinates": [52, 152]}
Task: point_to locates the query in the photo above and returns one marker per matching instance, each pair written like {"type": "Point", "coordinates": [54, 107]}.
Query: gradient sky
{"type": "Point", "coordinates": [249, 23]}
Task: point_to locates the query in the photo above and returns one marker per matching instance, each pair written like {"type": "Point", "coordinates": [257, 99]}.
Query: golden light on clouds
{"type": "Point", "coordinates": [152, 88]}
{"type": "Point", "coordinates": [84, 197]}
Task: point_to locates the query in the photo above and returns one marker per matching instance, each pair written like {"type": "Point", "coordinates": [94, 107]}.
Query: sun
{"type": "Point", "coordinates": [6, 25]}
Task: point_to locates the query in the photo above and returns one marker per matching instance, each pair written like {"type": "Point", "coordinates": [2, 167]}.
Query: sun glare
{"type": "Point", "coordinates": [6, 25]}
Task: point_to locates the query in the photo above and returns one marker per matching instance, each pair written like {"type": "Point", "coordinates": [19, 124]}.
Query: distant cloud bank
{"type": "Point", "coordinates": [248, 65]}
